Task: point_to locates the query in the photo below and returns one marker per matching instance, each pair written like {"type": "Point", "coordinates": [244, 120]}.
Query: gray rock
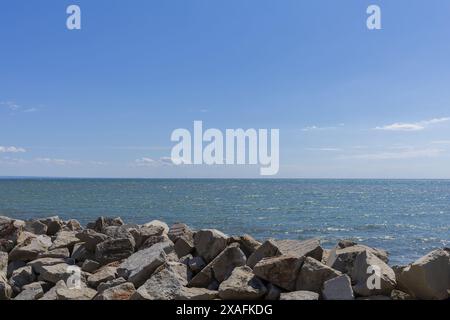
{"type": "Point", "coordinates": [113, 250]}
{"type": "Point", "coordinates": [142, 234]}
{"type": "Point", "coordinates": [90, 266]}
{"type": "Point", "coordinates": [35, 227]}
{"type": "Point", "coordinates": [3, 263]}
{"type": "Point", "coordinates": [339, 288]}
{"type": "Point", "coordinates": [32, 291]}
{"type": "Point", "coordinates": [400, 295]}
{"type": "Point", "coordinates": [209, 243]}
{"type": "Point", "coordinates": [299, 295]}
{"type": "Point", "coordinates": [196, 264]}
{"type": "Point", "coordinates": [247, 244]}
{"type": "Point", "coordinates": [104, 274]}
{"type": "Point", "coordinates": [120, 232]}
{"type": "Point", "coordinates": [5, 289]}
{"type": "Point", "coordinates": [9, 230]}
{"type": "Point", "coordinates": [242, 285]}
{"type": "Point", "coordinates": [56, 253]}
{"type": "Point", "coordinates": [179, 230]}
{"type": "Point", "coordinates": [51, 294]}
{"type": "Point", "coordinates": [343, 259]}
{"type": "Point", "coordinates": [14, 265]}
{"type": "Point", "coordinates": [273, 292]}
{"type": "Point", "coordinates": [122, 291]}
{"type": "Point", "coordinates": [54, 225]}
{"type": "Point", "coordinates": [184, 245]}
{"type": "Point", "coordinates": [65, 239]}
{"type": "Point", "coordinates": [21, 277]}
{"type": "Point", "coordinates": [346, 243]}
{"type": "Point", "coordinates": [152, 240]}
{"type": "Point", "coordinates": [73, 225]}
{"type": "Point", "coordinates": [30, 248]}
{"type": "Point", "coordinates": [103, 222]}
{"type": "Point", "coordinates": [39, 263]}
{"type": "Point", "coordinates": [140, 266]}
{"type": "Point", "coordinates": [368, 280]}
{"type": "Point", "coordinates": [313, 274]}
{"type": "Point", "coordinates": [268, 249]}
{"type": "Point", "coordinates": [82, 293]}
{"type": "Point", "coordinates": [196, 294]}
{"type": "Point", "coordinates": [429, 277]}
{"type": "Point", "coordinates": [57, 272]}
{"type": "Point", "coordinates": [306, 248]}
{"type": "Point", "coordinates": [157, 223]}
{"type": "Point", "coordinates": [281, 271]}
{"type": "Point", "coordinates": [220, 268]}
{"type": "Point", "coordinates": [80, 253]}
{"type": "Point", "coordinates": [91, 238]}
{"type": "Point", "coordinates": [109, 284]}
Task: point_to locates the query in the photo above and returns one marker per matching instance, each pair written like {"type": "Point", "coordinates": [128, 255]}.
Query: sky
{"type": "Point", "coordinates": [103, 101]}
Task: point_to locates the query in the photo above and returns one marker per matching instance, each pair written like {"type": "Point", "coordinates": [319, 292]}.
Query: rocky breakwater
{"type": "Point", "coordinates": [51, 259]}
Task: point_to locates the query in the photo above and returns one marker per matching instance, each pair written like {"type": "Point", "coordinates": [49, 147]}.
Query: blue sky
{"type": "Point", "coordinates": [101, 101]}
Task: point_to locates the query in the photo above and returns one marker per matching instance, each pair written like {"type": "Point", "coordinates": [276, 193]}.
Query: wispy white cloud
{"type": "Point", "coordinates": [324, 149]}
{"type": "Point", "coordinates": [11, 149]}
{"type": "Point", "coordinates": [414, 126]}
{"type": "Point", "coordinates": [441, 142]}
{"type": "Point", "coordinates": [319, 128]}
{"type": "Point", "coordinates": [402, 153]}
{"type": "Point", "coordinates": [14, 107]}
{"type": "Point", "coordinates": [149, 162]}
{"type": "Point", "coordinates": [59, 162]}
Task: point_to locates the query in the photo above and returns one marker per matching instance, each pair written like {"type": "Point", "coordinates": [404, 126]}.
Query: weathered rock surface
{"type": "Point", "coordinates": [186, 293]}
{"type": "Point", "coordinates": [65, 239]}
{"type": "Point", "coordinates": [104, 274]}
{"type": "Point", "coordinates": [57, 272]}
{"type": "Point", "coordinates": [242, 285]}
{"type": "Point", "coordinates": [122, 291]}
{"type": "Point", "coordinates": [21, 277]}
{"type": "Point", "coordinates": [51, 294]}
{"type": "Point", "coordinates": [313, 274]}
{"type": "Point", "coordinates": [30, 247]}
{"type": "Point", "coordinates": [281, 271]}
{"type": "Point", "coordinates": [113, 250]}
{"type": "Point", "coordinates": [5, 288]}
{"type": "Point", "coordinates": [209, 243]}
{"type": "Point", "coordinates": [54, 225]}
{"type": "Point", "coordinates": [35, 226]}
{"type": "Point", "coordinates": [109, 284]}
{"type": "Point", "coordinates": [247, 244]}
{"type": "Point", "coordinates": [429, 277]}
{"type": "Point", "coordinates": [32, 291]}
{"type": "Point", "coordinates": [82, 293]}
{"type": "Point", "coordinates": [339, 288]}
{"type": "Point", "coordinates": [268, 249]}
{"type": "Point", "coordinates": [91, 238]}
{"type": "Point", "coordinates": [299, 295]}
{"type": "Point", "coordinates": [306, 248]}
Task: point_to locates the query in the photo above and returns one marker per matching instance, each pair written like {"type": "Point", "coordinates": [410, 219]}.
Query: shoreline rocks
{"type": "Point", "coordinates": [52, 259]}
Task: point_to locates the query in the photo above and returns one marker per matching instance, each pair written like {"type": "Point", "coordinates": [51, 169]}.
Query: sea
{"type": "Point", "coordinates": [408, 218]}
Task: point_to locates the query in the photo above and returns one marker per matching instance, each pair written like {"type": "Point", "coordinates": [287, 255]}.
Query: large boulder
{"type": "Point", "coordinates": [32, 291]}
{"type": "Point", "coordinates": [220, 268]}
{"type": "Point", "coordinates": [102, 222]}
{"type": "Point", "coordinates": [306, 248]}
{"type": "Point", "coordinates": [30, 247]}
{"type": "Point", "coordinates": [281, 271]}
{"type": "Point", "coordinates": [122, 291]}
{"type": "Point", "coordinates": [104, 274]}
{"type": "Point", "coordinates": [242, 285]}
{"type": "Point", "coordinates": [372, 276]}
{"type": "Point", "coordinates": [142, 234]}
{"type": "Point", "coordinates": [313, 274]}
{"type": "Point", "coordinates": [113, 250]}
{"type": "Point", "coordinates": [91, 238]}
{"type": "Point", "coordinates": [184, 245]}
{"type": "Point", "coordinates": [428, 277]}
{"type": "Point", "coordinates": [209, 243]}
{"type": "Point", "coordinates": [54, 225]}
{"type": "Point", "coordinates": [21, 277]}
{"type": "Point", "coordinates": [51, 294]}
{"type": "Point", "coordinates": [120, 232]}
{"type": "Point", "coordinates": [5, 288]}
{"type": "Point", "coordinates": [247, 244]}
{"type": "Point", "coordinates": [179, 230]}
{"type": "Point", "coordinates": [35, 227]}
{"type": "Point", "coordinates": [82, 293]}
{"type": "Point", "coordinates": [299, 295]}
{"type": "Point", "coordinates": [268, 249]}
{"type": "Point", "coordinates": [343, 259]}
{"type": "Point", "coordinates": [55, 253]}
{"type": "Point", "coordinates": [140, 266]}
{"type": "Point", "coordinates": [65, 239]}
{"type": "Point", "coordinates": [158, 223]}
{"type": "Point", "coordinates": [57, 272]}
{"type": "Point", "coordinates": [9, 231]}
{"type": "Point", "coordinates": [39, 263]}
{"type": "Point", "coordinates": [339, 288]}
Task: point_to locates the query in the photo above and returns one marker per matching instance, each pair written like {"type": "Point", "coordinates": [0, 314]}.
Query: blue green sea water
{"type": "Point", "coordinates": [406, 217]}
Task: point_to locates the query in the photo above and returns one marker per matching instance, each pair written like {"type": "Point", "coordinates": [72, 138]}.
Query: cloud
{"type": "Point", "coordinates": [401, 154]}
{"type": "Point", "coordinates": [14, 107]}
{"type": "Point", "coordinates": [149, 162]}
{"type": "Point", "coordinates": [318, 128]}
{"type": "Point", "coordinates": [414, 126]}
{"type": "Point", "coordinates": [59, 162]}
{"type": "Point", "coordinates": [323, 149]}
{"type": "Point", "coordinates": [11, 149]}
{"type": "Point", "coordinates": [441, 142]}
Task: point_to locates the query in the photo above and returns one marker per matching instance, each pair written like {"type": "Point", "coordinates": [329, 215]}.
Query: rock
{"type": "Point", "coordinates": [119, 232]}
{"type": "Point", "coordinates": [14, 265]}
{"type": "Point", "coordinates": [51, 294]}
{"type": "Point", "coordinates": [120, 292]}
{"type": "Point", "coordinates": [39, 263]}
{"type": "Point", "coordinates": [6, 245]}
{"type": "Point", "coordinates": [5, 288]}
{"type": "Point", "coordinates": [281, 271]}
{"type": "Point", "coordinates": [273, 292]}
{"type": "Point", "coordinates": [299, 295]}
{"type": "Point", "coordinates": [82, 293]}
{"type": "Point", "coordinates": [80, 253]}
{"type": "Point", "coordinates": [109, 284]}
{"type": "Point", "coordinates": [30, 248]}
{"type": "Point", "coordinates": [400, 295]}
{"type": "Point", "coordinates": [157, 223]}
{"type": "Point", "coordinates": [32, 291]}
{"type": "Point", "coordinates": [242, 285]}
{"type": "Point", "coordinates": [184, 245]}
{"type": "Point", "coordinates": [209, 243]}
{"type": "Point", "coordinates": [91, 238]}
{"type": "Point", "coordinates": [152, 240]}
{"type": "Point", "coordinates": [196, 294]}
{"type": "Point", "coordinates": [339, 288]}
{"type": "Point", "coordinates": [307, 248]}
{"type": "Point", "coordinates": [343, 259]}
{"type": "Point", "coordinates": [3, 263]}
{"type": "Point", "coordinates": [164, 284]}
{"type": "Point", "coordinates": [103, 222]}
{"type": "Point", "coordinates": [196, 264]}
{"type": "Point", "coordinates": [325, 255]}
{"type": "Point", "coordinates": [266, 250]}
{"type": "Point", "coordinates": [113, 250]}
{"type": "Point", "coordinates": [54, 225]}
{"type": "Point", "coordinates": [56, 253]}
{"type": "Point", "coordinates": [313, 274]}
{"type": "Point", "coordinates": [73, 225]}
{"type": "Point", "coordinates": [9, 230]}
{"type": "Point", "coordinates": [21, 277]}
{"type": "Point", "coordinates": [428, 278]}
{"type": "Point", "coordinates": [104, 274]}
{"type": "Point", "coordinates": [247, 244]}
{"type": "Point", "coordinates": [90, 266]}
{"type": "Point", "coordinates": [378, 297]}
{"type": "Point", "coordinates": [35, 227]}
{"type": "Point", "coordinates": [57, 272]}
{"type": "Point", "coordinates": [220, 268]}
{"type": "Point", "coordinates": [179, 230]}
{"type": "Point", "coordinates": [140, 266]}
{"type": "Point", "coordinates": [142, 234]}
{"type": "Point", "coordinates": [346, 243]}
{"type": "Point", "coordinates": [65, 239]}
{"type": "Point", "coordinates": [367, 281]}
